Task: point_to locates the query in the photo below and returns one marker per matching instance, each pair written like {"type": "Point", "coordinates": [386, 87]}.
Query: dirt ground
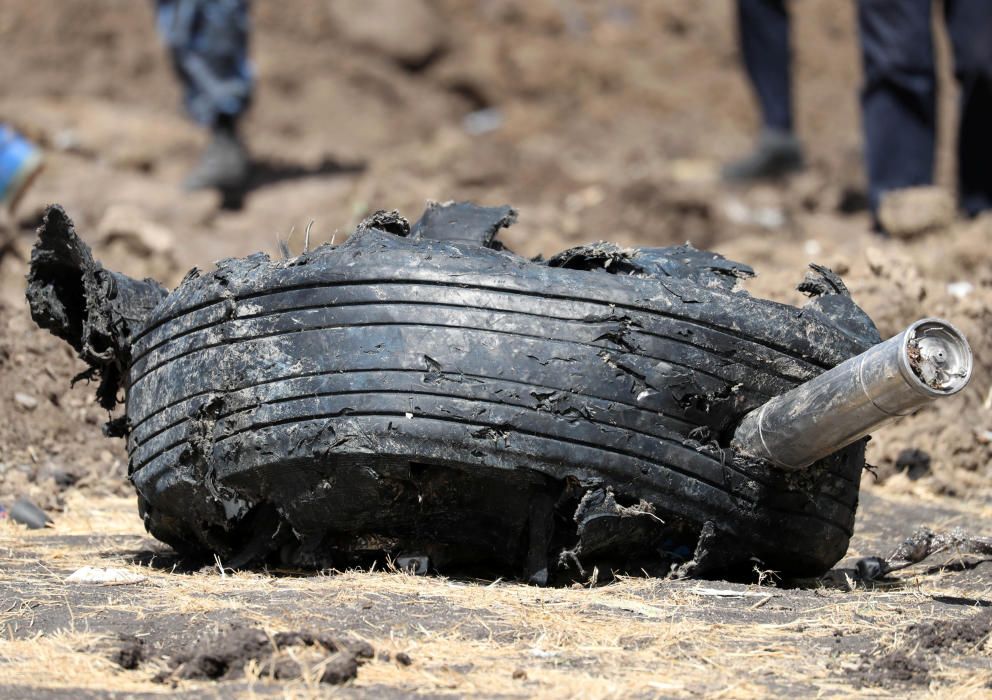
{"type": "Point", "coordinates": [596, 119]}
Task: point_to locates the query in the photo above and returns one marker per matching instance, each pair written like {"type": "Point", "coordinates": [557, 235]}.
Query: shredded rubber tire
{"type": "Point", "coordinates": [440, 398]}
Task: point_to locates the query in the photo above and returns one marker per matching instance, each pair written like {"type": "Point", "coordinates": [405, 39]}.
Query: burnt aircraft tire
{"type": "Point", "coordinates": [428, 397]}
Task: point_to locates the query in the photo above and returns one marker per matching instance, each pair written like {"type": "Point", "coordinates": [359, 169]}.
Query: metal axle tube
{"type": "Point", "coordinates": [929, 360]}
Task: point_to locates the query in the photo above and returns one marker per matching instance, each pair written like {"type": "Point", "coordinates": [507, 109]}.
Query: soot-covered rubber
{"type": "Point", "coordinates": [439, 398]}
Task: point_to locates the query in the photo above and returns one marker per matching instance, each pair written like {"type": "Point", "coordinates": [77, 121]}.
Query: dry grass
{"type": "Point", "coordinates": [635, 637]}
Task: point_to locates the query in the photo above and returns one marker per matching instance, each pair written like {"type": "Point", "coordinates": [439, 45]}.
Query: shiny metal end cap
{"type": "Point", "coordinates": [937, 356]}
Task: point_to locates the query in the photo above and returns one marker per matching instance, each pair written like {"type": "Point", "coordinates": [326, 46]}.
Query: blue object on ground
{"type": "Point", "coordinates": [20, 160]}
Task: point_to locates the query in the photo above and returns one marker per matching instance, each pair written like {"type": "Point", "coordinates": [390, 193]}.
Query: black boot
{"type": "Point", "coordinates": [777, 154]}
{"type": "Point", "coordinates": [224, 164]}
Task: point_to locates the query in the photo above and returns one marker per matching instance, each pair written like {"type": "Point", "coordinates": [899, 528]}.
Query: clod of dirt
{"type": "Point", "coordinates": [223, 655]}
{"type": "Point", "coordinates": [913, 461]}
{"type": "Point", "coordinates": [970, 634]}
{"type": "Point", "coordinates": [340, 668]}
{"type": "Point", "coordinates": [911, 663]}
{"type": "Point", "coordinates": [131, 652]}
{"type": "Point", "coordinates": [896, 667]}
{"type": "Point", "coordinates": [915, 211]}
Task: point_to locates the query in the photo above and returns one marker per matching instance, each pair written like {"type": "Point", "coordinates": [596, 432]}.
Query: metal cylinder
{"type": "Point", "coordinates": [929, 360]}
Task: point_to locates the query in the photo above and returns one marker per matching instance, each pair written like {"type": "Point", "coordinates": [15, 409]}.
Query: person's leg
{"type": "Point", "coordinates": [898, 98]}
{"type": "Point", "coordinates": [764, 36]}
{"type": "Point", "coordinates": [763, 26]}
{"type": "Point", "coordinates": [969, 23]}
{"type": "Point", "coordinates": [208, 40]}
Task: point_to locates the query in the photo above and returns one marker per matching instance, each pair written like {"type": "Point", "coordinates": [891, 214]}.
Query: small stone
{"type": "Point", "coordinates": [26, 401]}
{"type": "Point", "coordinates": [403, 659]}
{"type": "Point", "coordinates": [340, 668]}
{"type": "Point", "coordinates": [519, 675]}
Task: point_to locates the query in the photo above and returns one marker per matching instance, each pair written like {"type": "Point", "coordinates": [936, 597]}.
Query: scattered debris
{"type": "Point", "coordinates": [743, 214]}
{"type": "Point", "coordinates": [105, 577]}
{"type": "Point", "coordinates": [417, 565]}
{"type": "Point", "coordinates": [25, 401]}
{"type": "Point", "coordinates": [27, 513]}
{"type": "Point", "coordinates": [483, 121]}
{"type": "Point", "coordinates": [726, 593]}
{"type": "Point", "coordinates": [915, 462]}
{"type": "Point", "coordinates": [540, 653]}
{"type": "Point", "coordinates": [131, 652]}
{"type": "Point", "coordinates": [920, 545]}
{"type": "Point", "coordinates": [382, 220]}
{"type": "Point", "coordinates": [961, 289]}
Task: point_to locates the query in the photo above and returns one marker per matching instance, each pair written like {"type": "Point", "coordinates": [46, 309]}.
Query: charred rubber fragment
{"type": "Point", "coordinates": [388, 221]}
{"type": "Point", "coordinates": [714, 553]}
{"type": "Point", "coordinates": [831, 300]}
{"type": "Point", "coordinates": [418, 391]}
{"type": "Point", "coordinates": [461, 222]}
{"type": "Point", "coordinates": [93, 309]}
{"type": "Point", "coordinates": [610, 532]}
{"type": "Point", "coordinates": [684, 262]}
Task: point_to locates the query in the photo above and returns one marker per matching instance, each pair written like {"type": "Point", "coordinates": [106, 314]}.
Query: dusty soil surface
{"type": "Point", "coordinates": [597, 120]}
{"type": "Point", "coordinates": [922, 629]}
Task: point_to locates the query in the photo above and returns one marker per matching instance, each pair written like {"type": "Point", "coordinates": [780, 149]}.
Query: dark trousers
{"type": "Point", "coordinates": [899, 96]}
{"type": "Point", "coordinates": [208, 40]}
{"type": "Point", "coordinates": [764, 38]}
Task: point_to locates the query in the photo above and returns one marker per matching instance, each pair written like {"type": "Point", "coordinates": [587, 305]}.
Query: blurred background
{"type": "Point", "coordinates": [596, 119]}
